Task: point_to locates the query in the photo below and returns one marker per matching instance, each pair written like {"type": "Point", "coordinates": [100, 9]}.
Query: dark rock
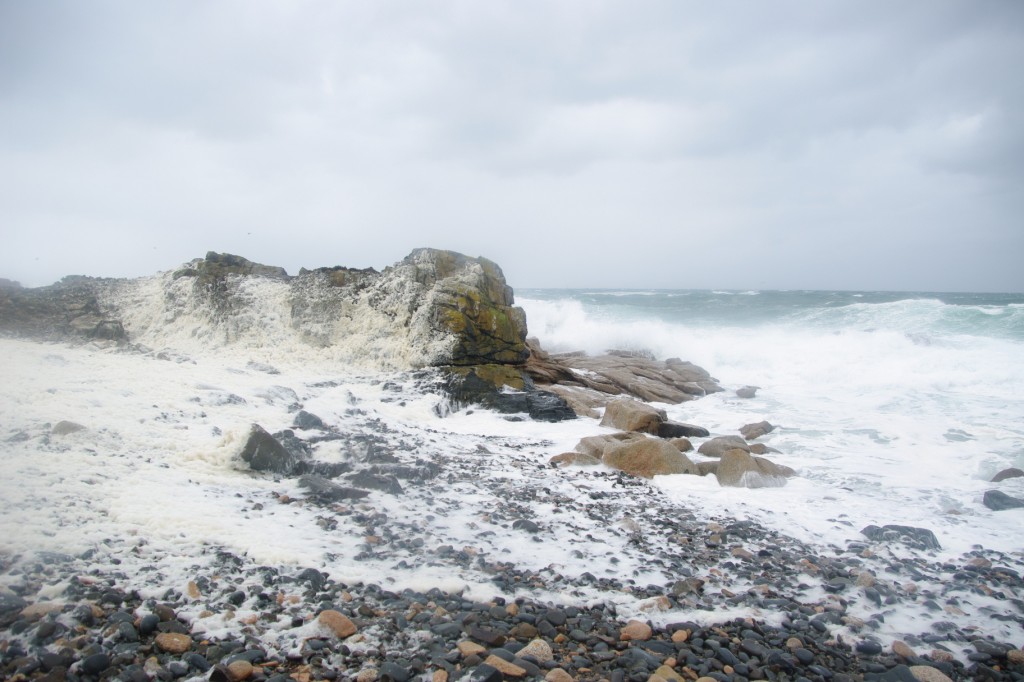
{"type": "Point", "coordinates": [95, 664]}
{"type": "Point", "coordinates": [392, 672]}
{"type": "Point", "coordinates": [1012, 472]}
{"type": "Point", "coordinates": [997, 500]}
{"type": "Point", "coordinates": [918, 538]}
{"type": "Point", "coordinates": [483, 673]}
{"type": "Point", "coordinates": [368, 479]}
{"type": "Point", "coordinates": [869, 647]}
{"type": "Point", "coordinates": [307, 420]}
{"type": "Point", "coordinates": [505, 389]}
{"type": "Point", "coordinates": [671, 429]}
{"type": "Point", "coordinates": [526, 525]}
{"type": "Point", "coordinates": [263, 452]}
{"type": "Point", "coordinates": [489, 637]}
{"type": "Point", "coordinates": [326, 491]}
{"type": "Point", "coordinates": [899, 673]}
{"type": "Point", "coordinates": [747, 391]}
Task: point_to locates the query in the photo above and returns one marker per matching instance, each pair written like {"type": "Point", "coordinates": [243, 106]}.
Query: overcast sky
{"type": "Point", "coordinates": [822, 145]}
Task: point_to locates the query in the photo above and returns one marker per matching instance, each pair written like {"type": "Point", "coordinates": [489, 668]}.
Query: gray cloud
{"type": "Point", "coordinates": [839, 145]}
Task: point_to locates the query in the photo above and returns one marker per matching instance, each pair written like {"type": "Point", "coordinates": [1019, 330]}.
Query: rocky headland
{"type": "Point", "coordinates": [441, 321]}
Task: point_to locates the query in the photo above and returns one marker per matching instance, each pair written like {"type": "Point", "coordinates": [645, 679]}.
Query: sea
{"type": "Point", "coordinates": [893, 408]}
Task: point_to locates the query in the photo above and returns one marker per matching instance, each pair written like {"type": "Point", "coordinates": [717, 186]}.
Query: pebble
{"type": "Point", "coordinates": [925, 673]}
{"type": "Point", "coordinates": [173, 643]}
{"type": "Point", "coordinates": [539, 650]}
{"type": "Point", "coordinates": [636, 630]}
{"type": "Point", "coordinates": [340, 625]}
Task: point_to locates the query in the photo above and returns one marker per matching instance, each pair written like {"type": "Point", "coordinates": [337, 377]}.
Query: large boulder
{"type": "Point", "coordinates": [739, 468]}
{"type": "Point", "coordinates": [648, 457]}
{"type": "Point", "coordinates": [627, 414]}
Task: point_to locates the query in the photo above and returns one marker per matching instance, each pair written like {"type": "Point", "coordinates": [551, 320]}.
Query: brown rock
{"type": "Point", "coordinates": [568, 459]}
{"type": "Point", "coordinates": [367, 675]}
{"type": "Point", "coordinates": [682, 444]}
{"type": "Point", "coordinates": [40, 609]}
{"type": "Point", "coordinates": [338, 624]}
{"type": "Point", "coordinates": [705, 468]}
{"type": "Point", "coordinates": [470, 648]}
{"type": "Point", "coordinates": [1015, 656]}
{"type": "Point", "coordinates": [648, 457]}
{"type": "Point", "coordinates": [668, 674]}
{"type": "Point", "coordinates": [752, 431]}
{"type": "Point", "coordinates": [901, 648]}
{"type": "Point", "coordinates": [440, 676]}
{"type": "Point", "coordinates": [738, 468]}
{"type": "Point", "coordinates": [941, 656]}
{"type": "Point", "coordinates": [173, 642]}
{"type": "Point", "coordinates": [718, 446]}
{"type": "Point", "coordinates": [632, 415]}
{"type": "Point", "coordinates": [680, 636]}
{"type": "Point", "coordinates": [926, 673]}
{"type": "Point", "coordinates": [793, 643]}
{"type": "Point", "coordinates": [637, 631]}
{"type": "Point", "coordinates": [661, 603]}
{"type": "Point", "coordinates": [507, 669]}
{"type": "Point", "coordinates": [239, 670]}
{"type": "Point", "coordinates": [558, 675]}
{"type": "Point", "coordinates": [595, 446]}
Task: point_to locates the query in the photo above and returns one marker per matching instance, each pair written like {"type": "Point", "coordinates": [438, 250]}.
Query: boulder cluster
{"type": "Point", "coordinates": [648, 444]}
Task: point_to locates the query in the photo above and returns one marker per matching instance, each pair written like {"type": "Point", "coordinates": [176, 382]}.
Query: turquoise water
{"type": "Point", "coordinates": [990, 315]}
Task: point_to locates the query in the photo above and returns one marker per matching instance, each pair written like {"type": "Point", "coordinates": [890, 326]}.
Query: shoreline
{"type": "Point", "coordinates": [700, 563]}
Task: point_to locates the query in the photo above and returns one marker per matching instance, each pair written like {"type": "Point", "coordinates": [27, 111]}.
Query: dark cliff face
{"type": "Point", "coordinates": [66, 310]}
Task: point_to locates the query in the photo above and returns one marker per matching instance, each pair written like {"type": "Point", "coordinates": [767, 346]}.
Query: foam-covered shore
{"type": "Point", "coordinates": [150, 497]}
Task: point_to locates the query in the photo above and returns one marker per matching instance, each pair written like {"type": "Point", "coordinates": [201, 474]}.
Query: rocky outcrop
{"type": "Point", "coordinates": [68, 309]}
{"type": "Point", "coordinates": [434, 308]}
{"type": "Point", "coordinates": [589, 383]}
